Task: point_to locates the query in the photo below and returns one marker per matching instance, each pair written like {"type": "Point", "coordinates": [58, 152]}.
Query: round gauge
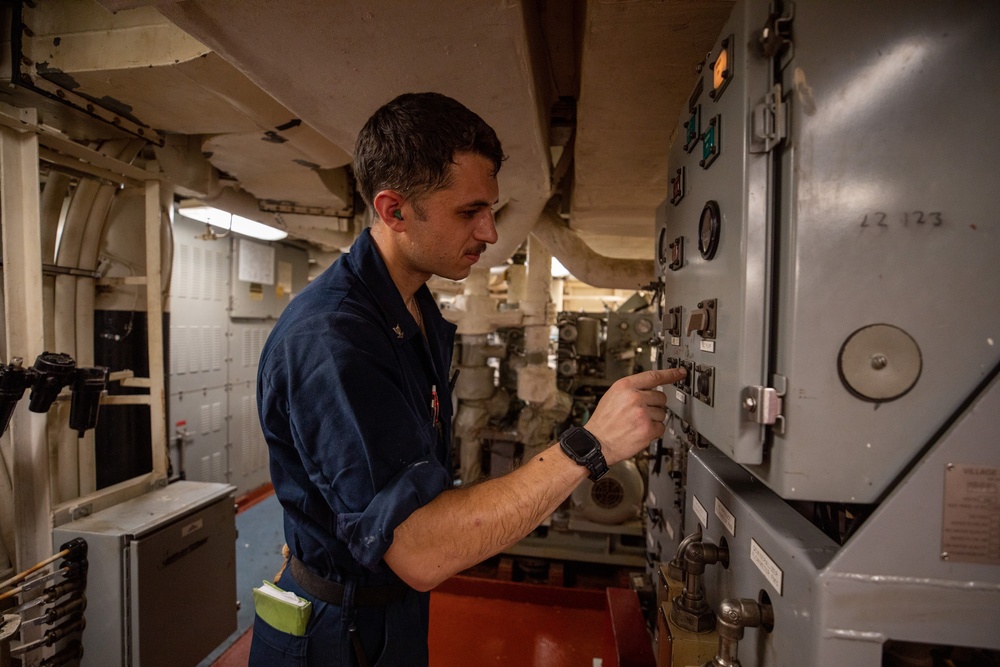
{"type": "Point", "coordinates": [643, 326]}
{"type": "Point", "coordinates": [708, 230]}
{"type": "Point", "coordinates": [663, 254]}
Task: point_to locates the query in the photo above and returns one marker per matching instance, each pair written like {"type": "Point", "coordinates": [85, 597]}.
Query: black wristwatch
{"type": "Point", "coordinates": [580, 445]}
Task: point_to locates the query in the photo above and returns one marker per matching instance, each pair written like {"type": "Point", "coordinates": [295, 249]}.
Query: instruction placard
{"type": "Point", "coordinates": [256, 263]}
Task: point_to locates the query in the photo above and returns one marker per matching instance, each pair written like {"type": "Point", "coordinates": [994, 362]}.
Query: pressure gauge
{"type": "Point", "coordinates": [643, 326]}
{"type": "Point", "coordinates": [708, 230]}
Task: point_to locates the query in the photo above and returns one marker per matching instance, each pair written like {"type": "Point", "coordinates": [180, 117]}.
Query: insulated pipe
{"type": "Point", "coordinates": [94, 233]}
{"type": "Point", "coordinates": [585, 264]}
{"type": "Point", "coordinates": [85, 199]}
{"type": "Point", "coordinates": [517, 285]}
{"type": "Point", "coordinates": [87, 260]}
{"type": "Point", "coordinates": [51, 201]}
{"type": "Point", "coordinates": [64, 479]}
{"type": "Point", "coordinates": [67, 254]}
{"type": "Point", "coordinates": [536, 382]}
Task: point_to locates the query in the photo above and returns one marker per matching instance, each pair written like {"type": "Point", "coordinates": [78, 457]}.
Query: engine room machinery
{"type": "Point", "coordinates": [828, 490]}
{"type": "Point", "coordinates": [497, 428]}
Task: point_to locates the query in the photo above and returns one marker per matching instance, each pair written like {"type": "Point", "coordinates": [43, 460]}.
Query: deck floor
{"type": "Point", "coordinates": [473, 631]}
{"type": "Point", "coordinates": [473, 621]}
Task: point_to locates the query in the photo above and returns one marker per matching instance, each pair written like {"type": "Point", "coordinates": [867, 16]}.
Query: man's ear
{"type": "Point", "coordinates": [389, 207]}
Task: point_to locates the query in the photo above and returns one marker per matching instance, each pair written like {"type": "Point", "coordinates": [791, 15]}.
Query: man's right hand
{"type": "Point", "coordinates": [631, 413]}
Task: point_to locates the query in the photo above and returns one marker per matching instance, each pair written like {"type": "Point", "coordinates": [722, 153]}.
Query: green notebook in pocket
{"type": "Point", "coordinates": [282, 610]}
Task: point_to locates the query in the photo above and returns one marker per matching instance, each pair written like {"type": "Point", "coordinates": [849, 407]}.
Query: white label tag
{"type": "Point", "coordinates": [650, 541]}
{"type": "Point", "coordinates": [767, 567]}
{"type": "Point", "coordinates": [699, 511]}
{"type": "Point", "coordinates": [192, 527]}
{"type": "Point", "coordinates": [652, 499]}
{"type": "Point", "coordinates": [726, 517]}
{"type": "Point", "coordinates": [670, 529]}
{"type": "Point", "coordinates": [707, 346]}
{"type": "Point", "coordinates": [680, 396]}
{"type": "Point", "coordinates": [675, 341]}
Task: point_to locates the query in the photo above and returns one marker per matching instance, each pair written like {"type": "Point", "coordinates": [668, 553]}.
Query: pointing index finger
{"type": "Point", "coordinates": [655, 378]}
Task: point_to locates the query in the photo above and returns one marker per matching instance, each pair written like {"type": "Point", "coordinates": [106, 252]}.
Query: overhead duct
{"type": "Point", "coordinates": [584, 263]}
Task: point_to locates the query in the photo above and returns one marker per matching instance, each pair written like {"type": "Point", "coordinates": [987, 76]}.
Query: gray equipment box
{"type": "Point", "coordinates": [161, 588]}
{"type": "Point", "coordinates": [829, 243]}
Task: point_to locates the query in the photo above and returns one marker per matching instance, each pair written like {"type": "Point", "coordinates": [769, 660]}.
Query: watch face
{"type": "Point", "coordinates": [579, 442]}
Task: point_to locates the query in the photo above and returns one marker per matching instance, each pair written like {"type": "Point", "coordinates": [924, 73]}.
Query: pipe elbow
{"type": "Point", "coordinates": [737, 614]}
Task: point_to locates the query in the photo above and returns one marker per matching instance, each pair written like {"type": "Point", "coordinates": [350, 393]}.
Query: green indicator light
{"type": "Point", "coordinates": [692, 127]}
{"type": "Point", "coordinates": [708, 143]}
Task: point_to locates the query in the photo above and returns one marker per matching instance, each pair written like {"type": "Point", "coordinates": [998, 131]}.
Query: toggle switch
{"type": "Point", "coordinates": [697, 321]}
{"type": "Point", "coordinates": [676, 254]}
{"type": "Point", "coordinates": [702, 320]}
{"type": "Point", "coordinates": [672, 321]}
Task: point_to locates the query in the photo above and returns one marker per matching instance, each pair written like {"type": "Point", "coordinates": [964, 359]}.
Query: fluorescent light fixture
{"type": "Point", "coordinates": [237, 223]}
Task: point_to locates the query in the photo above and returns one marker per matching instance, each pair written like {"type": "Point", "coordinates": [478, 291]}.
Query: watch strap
{"type": "Point", "coordinates": [593, 459]}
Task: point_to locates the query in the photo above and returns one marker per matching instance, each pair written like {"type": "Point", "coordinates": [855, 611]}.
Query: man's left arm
{"type": "Point", "coordinates": [462, 527]}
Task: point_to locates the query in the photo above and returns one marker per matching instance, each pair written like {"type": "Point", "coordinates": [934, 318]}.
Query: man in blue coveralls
{"type": "Point", "coordinates": [354, 401]}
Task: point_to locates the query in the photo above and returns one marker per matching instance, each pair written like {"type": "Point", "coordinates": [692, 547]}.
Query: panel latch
{"type": "Point", "coordinates": [770, 122]}
{"type": "Point", "coordinates": [763, 405]}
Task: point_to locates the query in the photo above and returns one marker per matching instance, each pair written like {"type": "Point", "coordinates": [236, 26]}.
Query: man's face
{"type": "Point", "coordinates": [457, 220]}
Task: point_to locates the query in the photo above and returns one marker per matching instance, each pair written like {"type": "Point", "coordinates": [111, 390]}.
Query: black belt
{"type": "Point", "coordinates": [333, 592]}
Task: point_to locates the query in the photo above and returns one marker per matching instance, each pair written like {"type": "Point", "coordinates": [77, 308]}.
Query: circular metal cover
{"type": "Point", "coordinates": [613, 499]}
{"type": "Point", "coordinates": [879, 363]}
{"type": "Point", "coordinates": [567, 333]}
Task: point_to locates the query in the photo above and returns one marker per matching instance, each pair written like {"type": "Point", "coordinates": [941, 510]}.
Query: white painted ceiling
{"type": "Point", "coordinates": [273, 92]}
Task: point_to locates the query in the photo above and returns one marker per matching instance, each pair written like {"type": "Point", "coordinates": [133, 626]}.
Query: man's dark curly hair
{"type": "Point", "coordinates": [410, 143]}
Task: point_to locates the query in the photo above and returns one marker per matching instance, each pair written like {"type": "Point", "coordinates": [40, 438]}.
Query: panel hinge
{"type": "Point", "coordinates": [763, 404]}
{"type": "Point", "coordinates": [770, 122]}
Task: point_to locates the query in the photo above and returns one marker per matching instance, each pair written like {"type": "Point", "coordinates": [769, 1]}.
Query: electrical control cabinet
{"type": "Point", "coordinates": [828, 245]}
{"type": "Point", "coordinates": [830, 254]}
{"type": "Point", "coordinates": [713, 244]}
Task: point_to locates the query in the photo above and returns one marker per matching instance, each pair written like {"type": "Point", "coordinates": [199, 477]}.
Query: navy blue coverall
{"type": "Point", "coordinates": [356, 409]}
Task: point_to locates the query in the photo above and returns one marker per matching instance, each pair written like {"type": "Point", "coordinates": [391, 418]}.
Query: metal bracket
{"type": "Point", "coordinates": [763, 406]}
{"type": "Point", "coordinates": [770, 121]}
{"type": "Point", "coordinates": [776, 35]}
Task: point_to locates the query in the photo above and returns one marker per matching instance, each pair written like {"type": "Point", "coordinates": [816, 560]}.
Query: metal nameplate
{"type": "Point", "coordinates": [970, 531]}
